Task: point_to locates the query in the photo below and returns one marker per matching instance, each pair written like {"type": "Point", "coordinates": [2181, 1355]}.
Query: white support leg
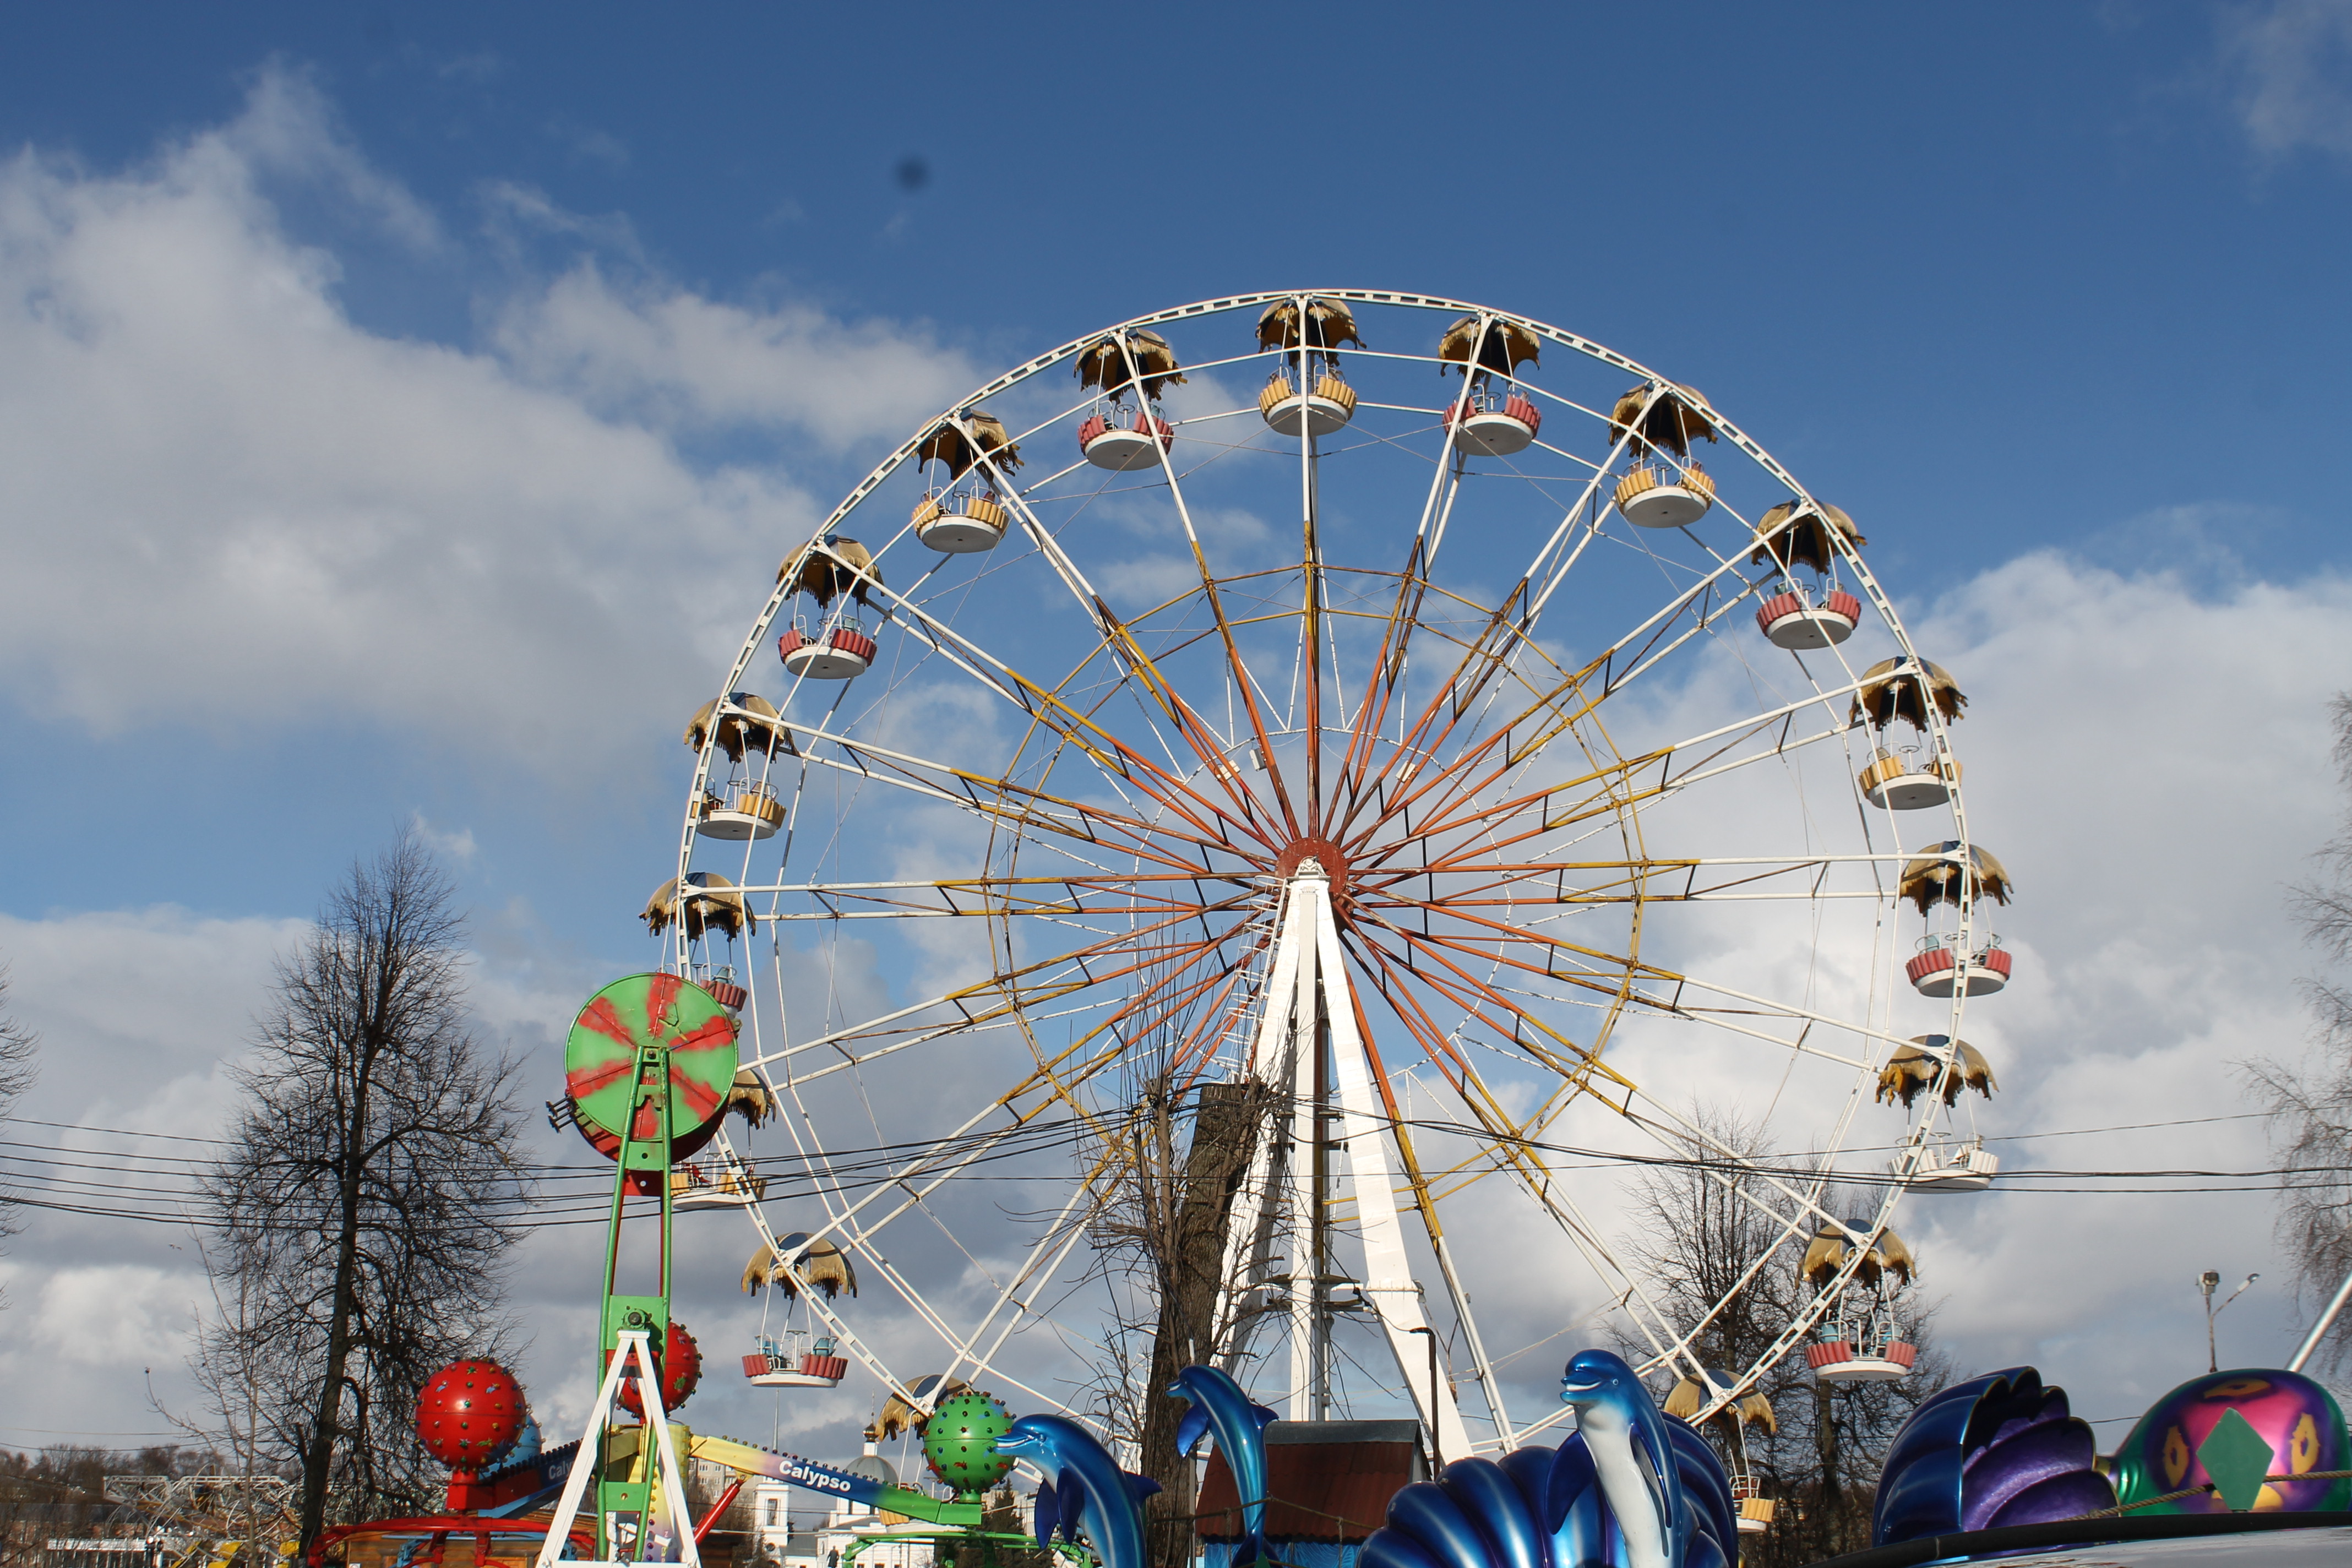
{"type": "Point", "coordinates": [1388, 1282]}
{"type": "Point", "coordinates": [1310, 1328]}
{"type": "Point", "coordinates": [634, 1347]}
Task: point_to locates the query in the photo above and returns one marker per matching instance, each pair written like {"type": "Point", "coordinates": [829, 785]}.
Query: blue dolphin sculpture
{"type": "Point", "coordinates": [1662, 1487]}
{"type": "Point", "coordinates": [1220, 1407]}
{"type": "Point", "coordinates": [1083, 1491]}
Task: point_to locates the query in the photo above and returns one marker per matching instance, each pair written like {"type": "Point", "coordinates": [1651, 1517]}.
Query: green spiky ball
{"type": "Point", "coordinates": [959, 1442]}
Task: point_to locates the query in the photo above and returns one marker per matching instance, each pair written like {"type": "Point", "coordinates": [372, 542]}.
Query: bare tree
{"type": "Point", "coordinates": [1702, 1228]}
{"type": "Point", "coordinates": [362, 1218]}
{"type": "Point", "coordinates": [1174, 1166]}
{"type": "Point", "coordinates": [2310, 1103]}
{"type": "Point", "coordinates": [18, 1047]}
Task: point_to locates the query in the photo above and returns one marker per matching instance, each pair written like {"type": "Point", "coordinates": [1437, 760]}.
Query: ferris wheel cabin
{"type": "Point", "coordinates": [1938, 969]}
{"type": "Point", "coordinates": [795, 1360]}
{"type": "Point", "coordinates": [1488, 423]}
{"type": "Point", "coordinates": [1842, 1362]}
{"type": "Point", "coordinates": [1789, 620]}
{"type": "Point", "coordinates": [1898, 783]}
{"type": "Point", "coordinates": [1308, 397]}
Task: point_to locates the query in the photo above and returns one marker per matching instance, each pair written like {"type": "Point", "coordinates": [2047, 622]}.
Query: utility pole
{"type": "Point", "coordinates": [2207, 1282]}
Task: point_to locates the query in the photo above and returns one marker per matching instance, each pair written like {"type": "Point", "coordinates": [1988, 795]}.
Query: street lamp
{"type": "Point", "coordinates": [2207, 1282]}
{"type": "Point", "coordinates": [1436, 1454]}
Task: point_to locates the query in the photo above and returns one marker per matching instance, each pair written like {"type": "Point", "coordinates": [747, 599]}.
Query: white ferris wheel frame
{"type": "Point", "coordinates": [855, 1222]}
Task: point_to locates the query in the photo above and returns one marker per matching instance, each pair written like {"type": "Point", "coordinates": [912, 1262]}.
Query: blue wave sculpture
{"type": "Point", "coordinates": [1630, 1487]}
{"type": "Point", "coordinates": [1995, 1450]}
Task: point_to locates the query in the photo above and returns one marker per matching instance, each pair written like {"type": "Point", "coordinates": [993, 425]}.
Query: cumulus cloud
{"type": "Point", "coordinates": [231, 507]}
{"type": "Point", "coordinates": [2289, 68]}
{"type": "Point", "coordinates": [673, 357]}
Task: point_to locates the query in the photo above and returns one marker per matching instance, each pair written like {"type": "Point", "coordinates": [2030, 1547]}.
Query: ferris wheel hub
{"type": "Point", "coordinates": [1311, 856]}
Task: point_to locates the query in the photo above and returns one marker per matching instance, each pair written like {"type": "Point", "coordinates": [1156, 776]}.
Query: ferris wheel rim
{"type": "Point", "coordinates": [1427, 302]}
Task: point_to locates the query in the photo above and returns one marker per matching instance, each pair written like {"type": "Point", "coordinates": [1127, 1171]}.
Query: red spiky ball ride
{"type": "Point", "coordinates": [679, 1362]}
{"type": "Point", "coordinates": [469, 1411]}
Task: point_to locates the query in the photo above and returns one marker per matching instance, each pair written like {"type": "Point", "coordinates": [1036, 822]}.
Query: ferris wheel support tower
{"type": "Point", "coordinates": [1311, 1027]}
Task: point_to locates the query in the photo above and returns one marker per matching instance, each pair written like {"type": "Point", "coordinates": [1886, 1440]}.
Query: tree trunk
{"type": "Point", "coordinates": [319, 1454]}
{"type": "Point", "coordinates": [1826, 1444]}
{"type": "Point", "coordinates": [1224, 1136]}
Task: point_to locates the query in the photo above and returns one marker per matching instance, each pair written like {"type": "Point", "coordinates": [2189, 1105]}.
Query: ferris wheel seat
{"type": "Point", "coordinates": [1787, 621]}
{"type": "Point", "coordinates": [1754, 1515]}
{"type": "Point", "coordinates": [839, 654]}
{"type": "Point", "coordinates": [1655, 498]}
{"type": "Point", "coordinates": [964, 526]}
{"type": "Point", "coordinates": [1968, 1170]}
{"type": "Point", "coordinates": [811, 1371]}
{"type": "Point", "coordinates": [1888, 783]}
{"type": "Point", "coordinates": [727, 993]}
{"type": "Point", "coordinates": [1318, 413]}
{"type": "Point", "coordinates": [1939, 970]}
{"type": "Point", "coordinates": [748, 816]}
{"type": "Point", "coordinates": [710, 1198]}
{"type": "Point", "coordinates": [1840, 1361]}
{"type": "Point", "coordinates": [1495, 435]}
{"type": "Point", "coordinates": [1124, 450]}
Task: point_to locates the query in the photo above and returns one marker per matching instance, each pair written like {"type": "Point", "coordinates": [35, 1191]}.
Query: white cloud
{"type": "Point", "coordinates": [2290, 68]}
{"type": "Point", "coordinates": [671, 356]}
{"type": "Point", "coordinates": [232, 507]}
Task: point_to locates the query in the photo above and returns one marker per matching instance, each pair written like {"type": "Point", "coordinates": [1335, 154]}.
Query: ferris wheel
{"type": "Point", "coordinates": [1375, 699]}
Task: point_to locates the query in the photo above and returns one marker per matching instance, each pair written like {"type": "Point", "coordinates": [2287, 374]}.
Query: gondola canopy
{"type": "Point", "coordinates": [1891, 690]}
{"type": "Point", "coordinates": [1912, 1070]}
{"type": "Point", "coordinates": [749, 726]}
{"type": "Point", "coordinates": [748, 1098]}
{"type": "Point", "coordinates": [1804, 533]}
{"type": "Point", "coordinates": [1832, 1245]}
{"type": "Point", "coordinates": [1689, 1396]}
{"type": "Point", "coordinates": [710, 903]}
{"type": "Point", "coordinates": [1502, 348]}
{"type": "Point", "coordinates": [1103, 363]}
{"type": "Point", "coordinates": [1329, 324]}
{"type": "Point", "coordinates": [1937, 877]}
{"type": "Point", "coordinates": [833, 565]}
{"type": "Point", "coordinates": [897, 1416]}
{"type": "Point", "coordinates": [820, 1263]}
{"type": "Point", "coordinates": [1671, 421]}
{"type": "Point", "coordinates": [951, 445]}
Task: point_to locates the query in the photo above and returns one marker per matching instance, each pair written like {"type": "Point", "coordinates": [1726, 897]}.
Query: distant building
{"type": "Point", "coordinates": [815, 1540]}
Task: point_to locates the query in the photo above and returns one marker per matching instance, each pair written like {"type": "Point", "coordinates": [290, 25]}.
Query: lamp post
{"type": "Point", "coordinates": [1436, 1454]}
{"type": "Point", "coordinates": [2207, 1282]}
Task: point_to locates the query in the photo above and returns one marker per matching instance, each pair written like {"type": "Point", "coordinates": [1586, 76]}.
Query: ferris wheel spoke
{"type": "Point", "coordinates": [1121, 641]}
{"type": "Point", "coordinates": [1002, 1002]}
{"type": "Point", "coordinates": [1107, 896]}
{"type": "Point", "coordinates": [1498, 1010]}
{"type": "Point", "coordinates": [1066, 818]}
{"type": "Point", "coordinates": [1615, 794]}
{"type": "Point", "coordinates": [1433, 727]}
{"type": "Point", "coordinates": [1047, 709]}
{"type": "Point", "coordinates": [1237, 670]}
{"type": "Point", "coordinates": [1501, 1142]}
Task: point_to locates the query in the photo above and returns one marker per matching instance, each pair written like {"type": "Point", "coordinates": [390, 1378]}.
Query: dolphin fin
{"type": "Point", "coordinates": [1139, 1486]}
{"type": "Point", "coordinates": [1573, 1473]}
{"type": "Point", "coordinates": [1073, 1493]}
{"type": "Point", "coordinates": [1265, 1418]}
{"type": "Point", "coordinates": [1049, 1516]}
{"type": "Point", "coordinates": [1192, 1428]}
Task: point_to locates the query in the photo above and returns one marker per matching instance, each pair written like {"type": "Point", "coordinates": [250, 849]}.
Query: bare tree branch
{"type": "Point", "coordinates": [2309, 1103]}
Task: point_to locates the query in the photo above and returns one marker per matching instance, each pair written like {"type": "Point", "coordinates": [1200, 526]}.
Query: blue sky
{"type": "Point", "coordinates": [404, 412]}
